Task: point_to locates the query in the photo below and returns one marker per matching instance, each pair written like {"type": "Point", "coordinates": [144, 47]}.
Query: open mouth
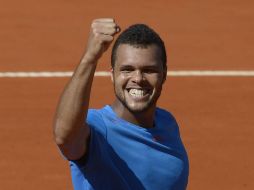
{"type": "Point", "coordinates": [138, 93]}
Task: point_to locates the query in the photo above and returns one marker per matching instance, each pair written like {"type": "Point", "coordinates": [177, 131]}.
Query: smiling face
{"type": "Point", "coordinates": [138, 76]}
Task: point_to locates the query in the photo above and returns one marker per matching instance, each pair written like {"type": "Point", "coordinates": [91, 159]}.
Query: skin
{"type": "Point", "coordinates": [142, 69]}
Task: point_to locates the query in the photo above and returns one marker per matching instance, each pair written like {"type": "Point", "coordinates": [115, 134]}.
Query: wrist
{"type": "Point", "coordinates": [89, 58]}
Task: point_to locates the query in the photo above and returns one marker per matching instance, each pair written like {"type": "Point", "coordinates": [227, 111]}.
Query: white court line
{"type": "Point", "coordinates": [212, 73]}
{"type": "Point", "coordinates": [106, 74]}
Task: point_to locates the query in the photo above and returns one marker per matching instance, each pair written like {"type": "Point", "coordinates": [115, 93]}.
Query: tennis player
{"type": "Point", "coordinates": [130, 144]}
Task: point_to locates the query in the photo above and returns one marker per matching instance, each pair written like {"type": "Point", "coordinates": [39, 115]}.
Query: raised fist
{"type": "Point", "coordinates": [101, 35]}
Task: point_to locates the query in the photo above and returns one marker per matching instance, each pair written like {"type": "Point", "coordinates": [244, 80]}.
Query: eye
{"type": "Point", "coordinates": [151, 70]}
{"type": "Point", "coordinates": [126, 69]}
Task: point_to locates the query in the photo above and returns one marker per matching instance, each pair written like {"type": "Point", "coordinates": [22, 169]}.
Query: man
{"type": "Point", "coordinates": [130, 144]}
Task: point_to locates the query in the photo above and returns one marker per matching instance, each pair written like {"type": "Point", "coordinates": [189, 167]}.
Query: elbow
{"type": "Point", "coordinates": [61, 132]}
{"type": "Point", "coordinates": [70, 150]}
{"type": "Point", "coordinates": [72, 143]}
{"type": "Point", "coordinates": [59, 136]}
{"type": "Point", "coordinates": [59, 140]}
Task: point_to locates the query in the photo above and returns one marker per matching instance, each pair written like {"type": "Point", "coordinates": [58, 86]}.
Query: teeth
{"type": "Point", "coordinates": [137, 92]}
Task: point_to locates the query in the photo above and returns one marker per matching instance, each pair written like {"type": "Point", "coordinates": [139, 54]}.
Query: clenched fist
{"type": "Point", "coordinates": [101, 35]}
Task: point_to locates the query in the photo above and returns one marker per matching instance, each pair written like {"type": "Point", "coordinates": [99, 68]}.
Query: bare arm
{"type": "Point", "coordinates": [70, 130]}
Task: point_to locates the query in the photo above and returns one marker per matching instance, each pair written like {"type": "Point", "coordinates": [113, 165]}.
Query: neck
{"type": "Point", "coordinates": [143, 119]}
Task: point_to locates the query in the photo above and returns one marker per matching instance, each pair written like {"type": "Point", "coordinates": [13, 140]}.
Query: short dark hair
{"type": "Point", "coordinates": [140, 36]}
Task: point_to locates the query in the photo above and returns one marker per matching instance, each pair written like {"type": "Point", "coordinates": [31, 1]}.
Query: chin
{"type": "Point", "coordinates": [139, 108]}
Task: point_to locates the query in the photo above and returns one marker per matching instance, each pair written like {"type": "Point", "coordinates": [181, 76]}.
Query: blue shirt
{"type": "Point", "coordinates": [124, 156]}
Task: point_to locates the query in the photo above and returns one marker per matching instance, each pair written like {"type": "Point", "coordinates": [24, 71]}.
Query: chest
{"type": "Point", "coordinates": [156, 155]}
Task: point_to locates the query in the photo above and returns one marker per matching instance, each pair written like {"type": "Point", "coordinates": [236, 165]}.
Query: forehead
{"type": "Point", "coordinates": [134, 55]}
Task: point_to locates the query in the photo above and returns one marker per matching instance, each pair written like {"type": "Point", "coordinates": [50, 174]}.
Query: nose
{"type": "Point", "coordinates": [138, 76]}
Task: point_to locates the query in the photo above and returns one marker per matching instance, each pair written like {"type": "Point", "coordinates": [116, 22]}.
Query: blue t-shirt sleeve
{"type": "Point", "coordinates": [98, 133]}
{"type": "Point", "coordinates": [95, 122]}
{"type": "Point", "coordinates": [97, 130]}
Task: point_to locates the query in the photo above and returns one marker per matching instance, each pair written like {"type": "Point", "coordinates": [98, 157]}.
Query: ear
{"type": "Point", "coordinates": [165, 72]}
{"type": "Point", "coordinates": [111, 74]}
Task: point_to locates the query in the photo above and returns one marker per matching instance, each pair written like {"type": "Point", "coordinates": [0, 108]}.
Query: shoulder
{"type": "Point", "coordinates": [164, 114]}
{"type": "Point", "coordinates": [166, 119]}
{"type": "Point", "coordinates": [95, 119]}
{"type": "Point", "coordinates": [95, 115]}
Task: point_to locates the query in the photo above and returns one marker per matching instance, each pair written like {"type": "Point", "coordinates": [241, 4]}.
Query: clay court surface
{"type": "Point", "coordinates": [215, 113]}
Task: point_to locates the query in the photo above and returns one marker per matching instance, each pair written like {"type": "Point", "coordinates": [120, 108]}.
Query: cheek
{"type": "Point", "coordinates": [121, 81]}
{"type": "Point", "coordinates": [156, 81]}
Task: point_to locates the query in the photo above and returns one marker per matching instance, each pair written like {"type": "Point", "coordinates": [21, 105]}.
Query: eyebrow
{"type": "Point", "coordinates": [153, 65]}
